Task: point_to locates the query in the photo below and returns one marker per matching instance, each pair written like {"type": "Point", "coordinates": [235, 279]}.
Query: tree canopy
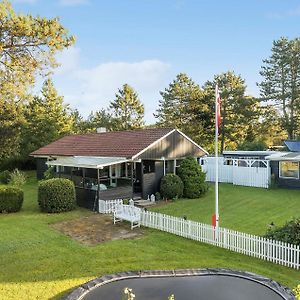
{"type": "Point", "coordinates": [127, 110]}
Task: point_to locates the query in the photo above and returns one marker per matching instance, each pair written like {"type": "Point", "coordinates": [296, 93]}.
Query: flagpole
{"type": "Point", "coordinates": [216, 158]}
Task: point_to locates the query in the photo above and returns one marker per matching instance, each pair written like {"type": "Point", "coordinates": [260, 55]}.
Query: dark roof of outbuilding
{"type": "Point", "coordinates": [109, 144]}
{"type": "Point", "coordinates": [293, 146]}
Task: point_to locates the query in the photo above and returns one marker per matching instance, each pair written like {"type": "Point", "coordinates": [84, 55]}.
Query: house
{"type": "Point", "coordinates": [285, 165]}
{"type": "Point", "coordinates": [120, 164]}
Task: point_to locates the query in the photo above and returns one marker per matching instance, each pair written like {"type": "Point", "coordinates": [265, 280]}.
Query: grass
{"type": "Point", "coordinates": [38, 262]}
{"type": "Point", "coordinates": [241, 208]}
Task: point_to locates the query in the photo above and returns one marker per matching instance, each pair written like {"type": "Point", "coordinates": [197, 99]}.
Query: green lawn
{"type": "Point", "coordinates": [241, 208]}
{"type": "Point", "coordinates": [38, 262]}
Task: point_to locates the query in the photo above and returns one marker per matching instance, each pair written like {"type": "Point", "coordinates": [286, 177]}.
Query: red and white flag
{"type": "Point", "coordinates": [218, 107]}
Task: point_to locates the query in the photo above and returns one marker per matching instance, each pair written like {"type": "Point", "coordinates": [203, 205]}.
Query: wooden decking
{"type": "Point", "coordinates": [122, 192]}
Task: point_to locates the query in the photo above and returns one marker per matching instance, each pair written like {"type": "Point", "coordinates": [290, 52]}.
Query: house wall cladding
{"type": "Point", "coordinates": [41, 167]}
{"type": "Point", "coordinates": [151, 181]}
{"type": "Point", "coordinates": [283, 182]}
{"type": "Point", "coordinates": [173, 146]}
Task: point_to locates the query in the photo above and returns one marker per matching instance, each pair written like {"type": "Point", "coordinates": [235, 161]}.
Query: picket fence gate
{"type": "Point", "coordinates": [270, 250]}
{"type": "Point", "coordinates": [108, 206]}
{"type": "Point", "coordinates": [246, 172]}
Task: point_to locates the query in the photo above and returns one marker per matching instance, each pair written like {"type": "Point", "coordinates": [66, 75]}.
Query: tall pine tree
{"type": "Point", "coordinates": [281, 82]}
{"type": "Point", "coordinates": [127, 110]}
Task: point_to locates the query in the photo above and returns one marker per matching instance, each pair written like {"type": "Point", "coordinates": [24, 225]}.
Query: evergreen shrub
{"type": "Point", "coordinates": [11, 199]}
{"type": "Point", "coordinates": [56, 195]}
{"type": "Point", "coordinates": [193, 178]}
{"type": "Point", "coordinates": [171, 186]}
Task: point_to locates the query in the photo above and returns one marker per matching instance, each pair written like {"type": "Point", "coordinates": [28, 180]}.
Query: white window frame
{"type": "Point", "coordinates": [284, 177]}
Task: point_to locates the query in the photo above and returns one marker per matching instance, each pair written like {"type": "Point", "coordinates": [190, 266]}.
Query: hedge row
{"type": "Point", "coordinates": [11, 199]}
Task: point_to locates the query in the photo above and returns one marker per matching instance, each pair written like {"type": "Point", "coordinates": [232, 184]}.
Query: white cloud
{"type": "Point", "coordinates": [73, 2]}
{"type": "Point", "coordinates": [93, 88]}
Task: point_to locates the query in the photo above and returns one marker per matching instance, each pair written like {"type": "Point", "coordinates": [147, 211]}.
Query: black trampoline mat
{"type": "Point", "coordinates": [207, 287]}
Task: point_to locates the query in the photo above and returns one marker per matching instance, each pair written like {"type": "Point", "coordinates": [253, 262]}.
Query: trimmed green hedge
{"type": "Point", "coordinates": [11, 199]}
{"type": "Point", "coordinates": [171, 186]}
{"type": "Point", "coordinates": [193, 178]}
{"type": "Point", "coordinates": [56, 195]}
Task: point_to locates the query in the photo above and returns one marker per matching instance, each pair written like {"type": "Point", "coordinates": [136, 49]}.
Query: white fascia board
{"type": "Point", "coordinates": [151, 145]}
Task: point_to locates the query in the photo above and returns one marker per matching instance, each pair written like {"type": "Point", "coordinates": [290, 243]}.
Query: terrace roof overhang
{"type": "Point", "coordinates": [284, 156]}
{"type": "Point", "coordinates": [90, 162]}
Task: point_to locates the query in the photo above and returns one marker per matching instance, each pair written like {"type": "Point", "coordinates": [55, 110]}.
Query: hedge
{"type": "Point", "coordinates": [4, 177]}
{"type": "Point", "coordinates": [193, 178]}
{"type": "Point", "coordinates": [56, 195]}
{"type": "Point", "coordinates": [171, 186]}
{"type": "Point", "coordinates": [11, 199]}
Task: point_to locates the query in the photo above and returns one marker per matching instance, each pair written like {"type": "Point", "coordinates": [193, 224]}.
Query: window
{"type": "Point", "coordinates": [289, 169]}
{"type": "Point", "coordinates": [148, 166]}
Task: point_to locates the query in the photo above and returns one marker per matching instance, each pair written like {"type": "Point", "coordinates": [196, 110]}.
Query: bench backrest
{"type": "Point", "coordinates": [128, 210]}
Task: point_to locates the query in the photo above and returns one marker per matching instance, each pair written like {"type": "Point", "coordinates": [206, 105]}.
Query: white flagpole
{"type": "Point", "coordinates": [216, 160]}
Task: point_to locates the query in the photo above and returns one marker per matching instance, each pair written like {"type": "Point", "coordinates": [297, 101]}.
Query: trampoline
{"type": "Point", "coordinates": [192, 284]}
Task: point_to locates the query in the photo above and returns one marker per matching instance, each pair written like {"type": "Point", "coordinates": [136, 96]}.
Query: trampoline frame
{"type": "Point", "coordinates": [85, 288]}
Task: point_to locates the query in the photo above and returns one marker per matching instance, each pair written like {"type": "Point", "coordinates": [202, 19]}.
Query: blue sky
{"type": "Point", "coordinates": [147, 42]}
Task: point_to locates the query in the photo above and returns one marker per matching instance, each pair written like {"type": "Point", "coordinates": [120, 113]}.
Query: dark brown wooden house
{"type": "Point", "coordinates": [120, 164]}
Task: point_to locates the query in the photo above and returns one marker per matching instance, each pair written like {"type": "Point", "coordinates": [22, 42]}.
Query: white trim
{"type": "Point", "coordinates": [169, 133]}
{"type": "Point", "coordinates": [151, 145]}
{"type": "Point", "coordinates": [192, 142]}
{"type": "Point", "coordinates": [285, 177]}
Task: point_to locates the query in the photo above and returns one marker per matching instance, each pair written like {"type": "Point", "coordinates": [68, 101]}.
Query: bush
{"type": "Point", "coordinates": [157, 196]}
{"type": "Point", "coordinates": [17, 178]}
{"type": "Point", "coordinates": [289, 233]}
{"type": "Point", "coordinates": [56, 195]}
{"type": "Point", "coordinates": [193, 178]}
{"type": "Point", "coordinates": [296, 291]}
{"type": "Point", "coordinates": [5, 177]}
{"type": "Point", "coordinates": [49, 173]}
{"type": "Point", "coordinates": [11, 199]}
{"type": "Point", "coordinates": [171, 186]}
{"type": "Point", "coordinates": [18, 163]}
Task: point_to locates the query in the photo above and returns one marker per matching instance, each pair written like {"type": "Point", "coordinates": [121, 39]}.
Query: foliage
{"type": "Point", "coordinates": [171, 186]}
{"type": "Point", "coordinates": [97, 119]}
{"type": "Point", "coordinates": [4, 177]}
{"type": "Point", "coordinates": [296, 291]}
{"type": "Point", "coordinates": [239, 112]}
{"type": "Point", "coordinates": [288, 233]}
{"type": "Point", "coordinates": [11, 199]}
{"type": "Point", "coordinates": [56, 195]}
{"type": "Point", "coordinates": [49, 173]}
{"type": "Point", "coordinates": [127, 109]}
{"type": "Point", "coordinates": [281, 82]}
{"type": "Point", "coordinates": [256, 145]}
{"type": "Point", "coordinates": [17, 178]}
{"type": "Point", "coordinates": [193, 178]}
{"type": "Point", "coordinates": [157, 196]}
{"type": "Point", "coordinates": [28, 46]}
{"type": "Point", "coordinates": [21, 163]}
{"type": "Point", "coordinates": [47, 119]}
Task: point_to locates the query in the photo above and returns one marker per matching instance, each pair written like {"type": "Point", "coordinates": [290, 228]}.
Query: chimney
{"type": "Point", "coordinates": [101, 130]}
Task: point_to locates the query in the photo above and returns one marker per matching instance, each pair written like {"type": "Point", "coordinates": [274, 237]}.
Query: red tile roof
{"type": "Point", "coordinates": [115, 143]}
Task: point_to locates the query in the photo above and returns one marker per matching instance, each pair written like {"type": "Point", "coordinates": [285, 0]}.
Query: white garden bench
{"type": "Point", "coordinates": [128, 213]}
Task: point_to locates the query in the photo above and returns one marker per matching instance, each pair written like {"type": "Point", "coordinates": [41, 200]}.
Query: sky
{"type": "Point", "coordinates": [146, 43]}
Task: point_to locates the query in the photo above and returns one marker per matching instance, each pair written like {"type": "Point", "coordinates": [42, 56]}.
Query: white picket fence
{"type": "Point", "coordinates": [246, 172]}
{"type": "Point", "coordinates": [270, 250]}
{"type": "Point", "coordinates": [108, 207]}
{"type": "Point", "coordinates": [275, 251]}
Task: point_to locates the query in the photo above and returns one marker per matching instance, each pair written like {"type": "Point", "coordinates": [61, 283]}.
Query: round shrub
{"type": "Point", "coordinates": [11, 199]}
{"type": "Point", "coordinates": [193, 178]}
{"type": "Point", "coordinates": [171, 186]}
{"type": "Point", "coordinates": [5, 177]}
{"type": "Point", "coordinates": [56, 195]}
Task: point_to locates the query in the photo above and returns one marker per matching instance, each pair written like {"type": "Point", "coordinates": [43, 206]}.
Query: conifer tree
{"type": "Point", "coordinates": [127, 110]}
